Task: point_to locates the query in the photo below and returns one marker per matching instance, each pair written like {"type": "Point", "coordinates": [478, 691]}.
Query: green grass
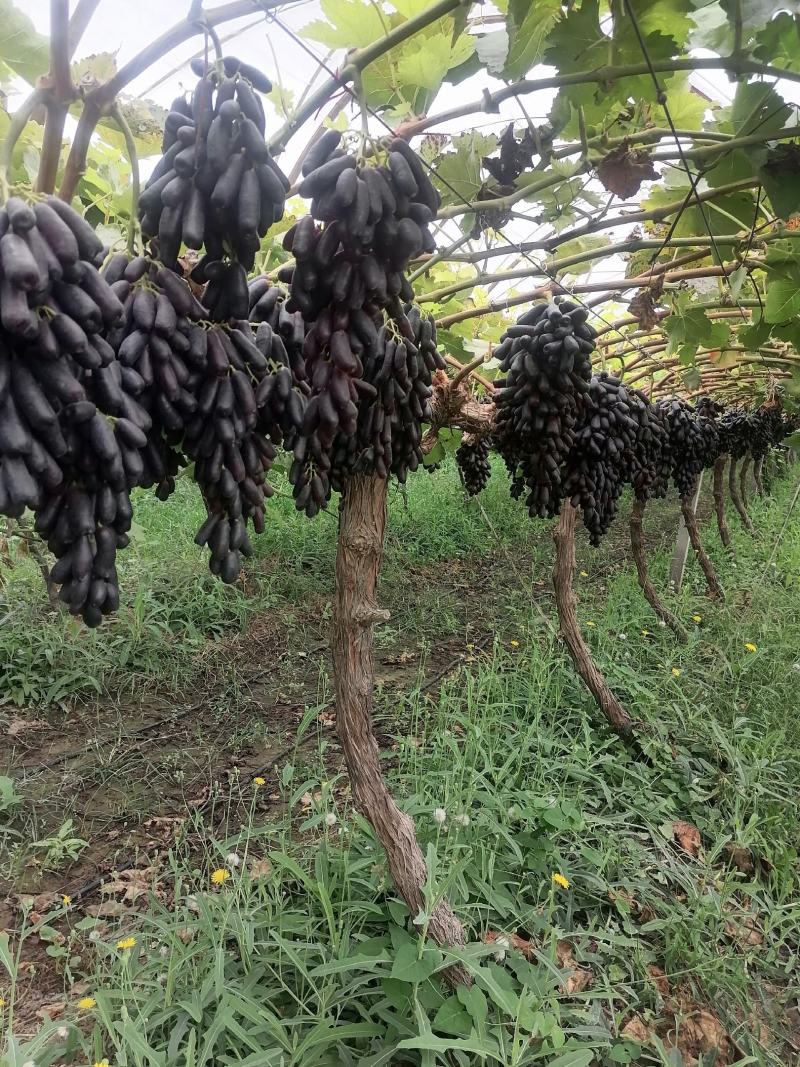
{"type": "Point", "coordinates": [310, 959]}
{"type": "Point", "coordinates": [173, 610]}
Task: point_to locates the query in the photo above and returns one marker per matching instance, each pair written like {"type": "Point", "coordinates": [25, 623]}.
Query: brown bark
{"type": "Point", "coordinates": [758, 469]}
{"type": "Point", "coordinates": [563, 571]}
{"type": "Point", "coordinates": [690, 518]}
{"type": "Point", "coordinates": [362, 523]}
{"type": "Point", "coordinates": [733, 488]}
{"type": "Point", "coordinates": [719, 500]}
{"type": "Point", "coordinates": [643, 574]}
{"type": "Point", "coordinates": [743, 491]}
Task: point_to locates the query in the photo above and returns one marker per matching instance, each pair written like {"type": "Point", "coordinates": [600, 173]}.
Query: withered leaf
{"type": "Point", "coordinates": [623, 171]}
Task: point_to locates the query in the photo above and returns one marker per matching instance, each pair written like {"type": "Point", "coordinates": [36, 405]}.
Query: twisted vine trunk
{"type": "Point", "coordinates": [643, 574]}
{"type": "Point", "coordinates": [362, 524]}
{"type": "Point", "coordinates": [743, 479]}
{"type": "Point", "coordinates": [563, 572]}
{"type": "Point", "coordinates": [758, 469]}
{"type": "Point", "coordinates": [690, 519]}
{"type": "Point", "coordinates": [719, 500]}
{"type": "Point", "coordinates": [733, 488]}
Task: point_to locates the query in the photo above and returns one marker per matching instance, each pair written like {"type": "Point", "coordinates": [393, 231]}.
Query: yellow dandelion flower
{"type": "Point", "coordinates": [560, 880]}
{"type": "Point", "coordinates": [220, 876]}
{"type": "Point", "coordinates": [676, 673]}
{"type": "Point", "coordinates": [584, 574]}
{"type": "Point", "coordinates": [2, 1002]}
{"type": "Point", "coordinates": [87, 1003]}
{"type": "Point", "coordinates": [126, 942]}
{"type": "Point", "coordinates": [259, 781]}
{"type": "Point", "coordinates": [697, 618]}
{"type": "Point", "coordinates": [66, 900]}
{"type": "Point", "coordinates": [515, 644]}
{"type": "Point", "coordinates": [100, 1063]}
{"type": "Point", "coordinates": [645, 633]}
{"type": "Point", "coordinates": [751, 647]}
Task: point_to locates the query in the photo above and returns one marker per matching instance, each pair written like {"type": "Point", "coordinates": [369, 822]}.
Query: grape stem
{"type": "Point", "coordinates": [19, 121]}
{"type": "Point", "coordinates": [133, 159]}
{"type": "Point", "coordinates": [58, 99]}
{"type": "Point", "coordinates": [563, 571]}
{"type": "Point", "coordinates": [362, 525]}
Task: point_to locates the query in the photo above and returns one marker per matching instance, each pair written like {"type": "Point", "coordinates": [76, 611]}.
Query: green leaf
{"type": "Point", "coordinates": [101, 67]}
{"type": "Point", "coordinates": [779, 42]}
{"type": "Point", "coordinates": [758, 108]}
{"type": "Point", "coordinates": [22, 49]}
{"type": "Point", "coordinates": [528, 27]}
{"type": "Point", "coordinates": [452, 1018]}
{"type": "Point", "coordinates": [408, 966]}
{"type": "Point", "coordinates": [429, 58]}
{"type": "Point", "coordinates": [350, 24]}
{"type": "Point", "coordinates": [783, 299]}
{"type": "Point", "coordinates": [459, 172]}
{"type": "Point", "coordinates": [753, 336]}
{"type": "Point", "coordinates": [574, 1058]}
{"type": "Point", "coordinates": [9, 797]}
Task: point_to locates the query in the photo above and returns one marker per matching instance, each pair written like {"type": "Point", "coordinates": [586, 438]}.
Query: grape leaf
{"type": "Point", "coordinates": [779, 42]}
{"type": "Point", "coordinates": [783, 298]}
{"type": "Point", "coordinates": [428, 59]}
{"type": "Point", "coordinates": [780, 173]}
{"type": "Point", "coordinates": [350, 24]}
{"type": "Point", "coordinates": [758, 108]}
{"type": "Point", "coordinates": [22, 49]}
{"type": "Point", "coordinates": [528, 26]}
{"type": "Point", "coordinates": [459, 172]}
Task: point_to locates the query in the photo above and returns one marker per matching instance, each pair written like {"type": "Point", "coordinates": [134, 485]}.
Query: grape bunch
{"type": "Point", "coordinates": [601, 459]}
{"type": "Point", "coordinates": [694, 442]}
{"type": "Point", "coordinates": [216, 185]}
{"type": "Point", "coordinates": [472, 457]}
{"type": "Point", "coordinates": [546, 357]}
{"type": "Point", "coordinates": [651, 464]}
{"type": "Point", "coordinates": [71, 427]}
{"type": "Point", "coordinates": [199, 380]}
{"type": "Point", "coordinates": [375, 219]}
{"type": "Point", "coordinates": [735, 431]}
{"type": "Point", "coordinates": [367, 357]}
{"type": "Point", "coordinates": [768, 430]}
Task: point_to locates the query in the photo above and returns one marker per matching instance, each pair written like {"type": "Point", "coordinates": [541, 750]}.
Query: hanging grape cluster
{"type": "Point", "coordinates": [600, 461]}
{"type": "Point", "coordinates": [547, 360]}
{"type": "Point", "coordinates": [368, 358]}
{"type": "Point", "coordinates": [71, 426]}
{"type": "Point", "coordinates": [472, 457]}
{"type": "Point", "coordinates": [216, 185]}
{"type": "Point", "coordinates": [694, 442]}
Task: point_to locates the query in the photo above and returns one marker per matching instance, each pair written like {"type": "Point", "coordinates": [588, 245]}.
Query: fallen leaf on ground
{"type": "Point", "coordinates": [132, 883]}
{"type": "Point", "coordinates": [260, 868]}
{"type": "Point", "coordinates": [635, 1030]}
{"type": "Point", "coordinates": [581, 977]}
{"type": "Point", "coordinates": [687, 836]}
{"type": "Point", "coordinates": [20, 726]}
{"type": "Point", "coordinates": [699, 1034]}
{"type": "Point", "coordinates": [108, 909]}
{"type": "Point", "coordinates": [744, 932]}
{"type": "Point", "coordinates": [738, 856]}
{"type": "Point", "coordinates": [659, 979]}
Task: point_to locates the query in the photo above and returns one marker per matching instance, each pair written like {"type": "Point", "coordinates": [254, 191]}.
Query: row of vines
{"type": "Point", "coordinates": [125, 362]}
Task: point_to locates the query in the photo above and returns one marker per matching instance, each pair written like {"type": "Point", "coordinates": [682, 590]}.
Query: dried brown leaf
{"type": "Point", "coordinates": [738, 856]}
{"type": "Point", "coordinates": [622, 171]}
{"type": "Point", "coordinates": [659, 979]}
{"type": "Point", "coordinates": [687, 836]}
{"type": "Point", "coordinates": [635, 1030]}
